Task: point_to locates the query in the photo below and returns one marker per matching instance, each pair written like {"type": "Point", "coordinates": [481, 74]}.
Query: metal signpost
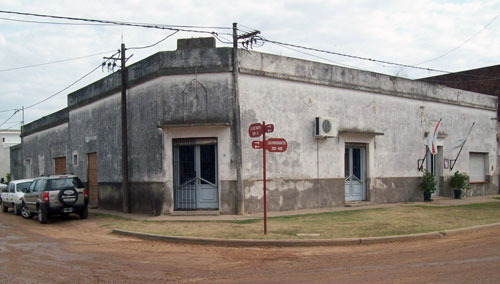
{"type": "Point", "coordinates": [272, 145]}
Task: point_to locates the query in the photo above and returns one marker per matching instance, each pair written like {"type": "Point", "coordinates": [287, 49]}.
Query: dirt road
{"type": "Point", "coordinates": [81, 251]}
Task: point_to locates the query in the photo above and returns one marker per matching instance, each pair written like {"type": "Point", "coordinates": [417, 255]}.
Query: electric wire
{"type": "Point", "coordinates": [14, 125]}
{"type": "Point", "coordinates": [463, 43]}
{"type": "Point", "coordinates": [354, 56]}
{"type": "Point", "coordinates": [378, 61]}
{"type": "Point", "coordinates": [148, 46]}
{"type": "Point", "coordinates": [7, 120]}
{"type": "Point", "coordinates": [65, 88]}
{"type": "Point", "coordinates": [53, 23]}
{"type": "Point", "coordinates": [54, 62]}
{"type": "Point", "coordinates": [119, 23]}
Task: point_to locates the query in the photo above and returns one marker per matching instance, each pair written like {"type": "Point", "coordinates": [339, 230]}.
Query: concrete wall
{"type": "Point", "coordinates": [39, 149]}
{"type": "Point", "coordinates": [390, 116]}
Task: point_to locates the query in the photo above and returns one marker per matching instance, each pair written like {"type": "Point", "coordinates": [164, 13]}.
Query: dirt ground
{"type": "Point", "coordinates": [70, 250]}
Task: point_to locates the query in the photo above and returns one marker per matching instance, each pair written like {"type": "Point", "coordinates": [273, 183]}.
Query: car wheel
{"type": "Point", "coordinates": [17, 211]}
{"type": "Point", "coordinates": [84, 213]}
{"type": "Point", "coordinates": [26, 213]}
{"type": "Point", "coordinates": [4, 208]}
{"type": "Point", "coordinates": [42, 216]}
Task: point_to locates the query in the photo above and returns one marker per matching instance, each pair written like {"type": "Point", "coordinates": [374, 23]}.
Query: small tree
{"type": "Point", "coordinates": [8, 177]}
{"type": "Point", "coordinates": [459, 182]}
{"type": "Point", "coordinates": [428, 185]}
{"type": "Point", "coordinates": [428, 182]}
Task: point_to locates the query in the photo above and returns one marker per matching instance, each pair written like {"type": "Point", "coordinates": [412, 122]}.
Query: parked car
{"type": "Point", "coordinates": [13, 195]}
{"type": "Point", "coordinates": [3, 187]}
{"type": "Point", "coordinates": [55, 195]}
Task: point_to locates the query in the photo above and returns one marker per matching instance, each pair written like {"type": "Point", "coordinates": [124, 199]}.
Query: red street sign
{"type": "Point", "coordinates": [257, 144]}
{"type": "Point", "coordinates": [276, 145]}
{"type": "Point", "coordinates": [255, 130]}
{"type": "Point", "coordinates": [269, 128]}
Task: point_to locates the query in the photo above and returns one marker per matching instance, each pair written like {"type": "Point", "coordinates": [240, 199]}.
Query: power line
{"type": "Point", "coordinates": [8, 110]}
{"type": "Point", "coordinates": [132, 24]}
{"type": "Point", "coordinates": [14, 125]}
{"type": "Point", "coordinates": [53, 62]}
{"type": "Point", "coordinates": [148, 46]}
{"type": "Point", "coordinates": [377, 61]}
{"type": "Point", "coordinates": [53, 23]}
{"type": "Point", "coordinates": [353, 56]}
{"type": "Point", "coordinates": [65, 88]}
{"type": "Point", "coordinates": [9, 118]}
{"type": "Point", "coordinates": [460, 45]}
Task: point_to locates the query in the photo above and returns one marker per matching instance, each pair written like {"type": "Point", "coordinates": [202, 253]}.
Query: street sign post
{"type": "Point", "coordinates": [272, 145]}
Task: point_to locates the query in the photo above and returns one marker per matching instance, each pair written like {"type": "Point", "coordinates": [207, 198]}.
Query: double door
{"type": "Point", "coordinates": [195, 175]}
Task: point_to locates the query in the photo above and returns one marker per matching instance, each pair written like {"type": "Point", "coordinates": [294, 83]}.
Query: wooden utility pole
{"type": "Point", "coordinates": [125, 182]}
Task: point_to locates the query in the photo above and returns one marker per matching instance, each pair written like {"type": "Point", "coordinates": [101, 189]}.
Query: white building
{"type": "Point", "coordinates": [8, 138]}
{"type": "Point", "coordinates": [188, 115]}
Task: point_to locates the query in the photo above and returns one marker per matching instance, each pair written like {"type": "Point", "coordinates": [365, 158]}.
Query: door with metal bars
{"type": "Point", "coordinates": [195, 174]}
{"type": "Point", "coordinates": [354, 169]}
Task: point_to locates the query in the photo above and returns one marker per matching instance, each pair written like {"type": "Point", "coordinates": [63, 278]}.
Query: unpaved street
{"type": "Point", "coordinates": [81, 251]}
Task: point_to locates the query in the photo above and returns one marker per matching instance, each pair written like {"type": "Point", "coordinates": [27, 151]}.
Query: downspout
{"type": "Point", "coordinates": [236, 126]}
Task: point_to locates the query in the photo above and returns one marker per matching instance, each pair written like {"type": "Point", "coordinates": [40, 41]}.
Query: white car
{"type": "Point", "coordinates": [13, 195]}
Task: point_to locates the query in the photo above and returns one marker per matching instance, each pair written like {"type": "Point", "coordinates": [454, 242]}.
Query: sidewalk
{"type": "Point", "coordinates": [437, 201]}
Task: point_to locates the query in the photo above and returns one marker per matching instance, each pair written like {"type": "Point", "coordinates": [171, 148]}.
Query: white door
{"type": "Point", "coordinates": [195, 168]}
{"type": "Point", "coordinates": [354, 168]}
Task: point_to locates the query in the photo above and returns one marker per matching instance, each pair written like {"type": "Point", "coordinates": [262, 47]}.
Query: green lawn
{"type": "Point", "coordinates": [344, 224]}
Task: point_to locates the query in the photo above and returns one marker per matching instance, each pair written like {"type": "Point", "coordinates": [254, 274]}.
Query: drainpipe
{"type": "Point", "coordinates": [236, 125]}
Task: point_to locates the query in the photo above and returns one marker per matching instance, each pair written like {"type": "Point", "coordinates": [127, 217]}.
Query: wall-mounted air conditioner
{"type": "Point", "coordinates": [325, 127]}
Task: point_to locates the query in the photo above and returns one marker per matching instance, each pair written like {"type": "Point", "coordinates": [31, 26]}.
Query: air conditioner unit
{"type": "Point", "coordinates": [325, 127]}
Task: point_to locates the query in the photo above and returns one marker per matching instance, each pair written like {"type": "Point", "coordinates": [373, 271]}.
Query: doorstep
{"type": "Point", "coordinates": [358, 203]}
{"type": "Point", "coordinates": [196, 213]}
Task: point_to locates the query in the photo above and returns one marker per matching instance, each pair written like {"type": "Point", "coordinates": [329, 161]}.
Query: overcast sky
{"type": "Point", "coordinates": [400, 31]}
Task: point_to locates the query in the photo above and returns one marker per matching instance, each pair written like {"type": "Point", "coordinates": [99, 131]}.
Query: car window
{"type": "Point", "coordinates": [40, 185]}
{"type": "Point", "coordinates": [22, 186]}
{"type": "Point", "coordinates": [32, 186]}
{"type": "Point", "coordinates": [56, 184]}
{"type": "Point", "coordinates": [11, 187]}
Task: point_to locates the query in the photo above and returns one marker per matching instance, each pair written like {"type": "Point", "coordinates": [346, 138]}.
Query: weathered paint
{"type": "Point", "coordinates": [188, 93]}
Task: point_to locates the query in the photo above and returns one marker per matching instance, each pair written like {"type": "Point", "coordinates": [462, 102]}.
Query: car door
{"type": "Point", "coordinates": [10, 194]}
{"type": "Point", "coordinates": [31, 196]}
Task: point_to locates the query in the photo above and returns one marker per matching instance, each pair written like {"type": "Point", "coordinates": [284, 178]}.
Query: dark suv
{"type": "Point", "coordinates": [55, 195]}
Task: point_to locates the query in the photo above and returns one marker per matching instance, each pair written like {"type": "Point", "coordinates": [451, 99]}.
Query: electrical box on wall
{"type": "Point", "coordinates": [325, 127]}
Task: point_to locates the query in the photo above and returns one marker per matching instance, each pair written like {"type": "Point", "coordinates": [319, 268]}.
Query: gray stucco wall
{"type": "Point", "coordinates": [184, 87]}
{"type": "Point", "coordinates": [42, 147]}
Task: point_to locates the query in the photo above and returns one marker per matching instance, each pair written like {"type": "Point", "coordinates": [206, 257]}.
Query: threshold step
{"type": "Point", "coordinates": [196, 213]}
{"type": "Point", "coordinates": [358, 203]}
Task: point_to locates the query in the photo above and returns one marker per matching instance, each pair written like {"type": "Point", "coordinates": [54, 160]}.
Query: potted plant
{"type": "Point", "coordinates": [459, 182]}
{"type": "Point", "coordinates": [428, 185]}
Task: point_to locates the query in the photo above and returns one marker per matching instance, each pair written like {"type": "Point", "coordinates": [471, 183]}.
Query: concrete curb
{"type": "Point", "coordinates": [305, 243]}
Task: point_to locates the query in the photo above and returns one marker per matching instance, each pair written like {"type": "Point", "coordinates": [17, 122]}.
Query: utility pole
{"type": "Point", "coordinates": [237, 125]}
{"type": "Point", "coordinates": [22, 126]}
{"type": "Point", "coordinates": [236, 120]}
{"type": "Point", "coordinates": [125, 181]}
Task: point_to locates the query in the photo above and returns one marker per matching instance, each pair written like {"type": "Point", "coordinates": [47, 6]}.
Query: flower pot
{"type": "Point", "coordinates": [427, 196]}
{"type": "Point", "coordinates": [458, 193]}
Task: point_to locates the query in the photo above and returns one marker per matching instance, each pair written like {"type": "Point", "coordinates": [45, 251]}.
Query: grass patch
{"type": "Point", "coordinates": [398, 220]}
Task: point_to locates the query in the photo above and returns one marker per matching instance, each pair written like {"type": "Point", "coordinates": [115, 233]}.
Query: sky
{"type": "Point", "coordinates": [437, 34]}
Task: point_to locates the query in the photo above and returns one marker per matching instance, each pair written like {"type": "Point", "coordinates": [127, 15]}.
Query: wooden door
{"type": "Point", "coordinates": [60, 166]}
{"type": "Point", "coordinates": [92, 179]}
